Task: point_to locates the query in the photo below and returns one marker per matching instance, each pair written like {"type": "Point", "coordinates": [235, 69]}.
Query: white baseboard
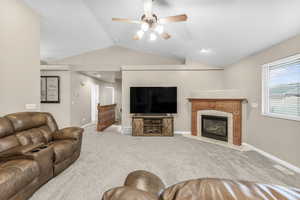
{"type": "Point", "coordinates": [182, 133]}
{"type": "Point", "coordinates": [88, 124]}
{"type": "Point", "coordinates": [126, 130]}
{"type": "Point", "coordinates": [274, 158]}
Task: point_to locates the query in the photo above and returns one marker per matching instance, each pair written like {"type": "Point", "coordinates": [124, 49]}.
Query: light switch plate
{"type": "Point", "coordinates": [30, 106]}
{"type": "Point", "coordinates": [254, 105]}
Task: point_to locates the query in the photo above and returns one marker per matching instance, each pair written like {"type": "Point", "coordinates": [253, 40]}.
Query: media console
{"type": "Point", "coordinates": [152, 125]}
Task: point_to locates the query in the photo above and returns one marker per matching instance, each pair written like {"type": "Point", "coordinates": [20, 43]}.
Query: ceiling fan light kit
{"type": "Point", "coordinates": [145, 27]}
{"type": "Point", "coordinates": [150, 22]}
{"type": "Point", "coordinates": [153, 37]}
{"type": "Point", "coordinates": [140, 34]}
{"type": "Point", "coordinates": [159, 29]}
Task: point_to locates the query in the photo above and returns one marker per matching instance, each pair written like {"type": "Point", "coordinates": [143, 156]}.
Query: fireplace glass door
{"type": "Point", "coordinates": [215, 127]}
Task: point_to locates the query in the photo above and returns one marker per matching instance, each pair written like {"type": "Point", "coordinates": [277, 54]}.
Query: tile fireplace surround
{"type": "Point", "coordinates": [216, 113]}
{"type": "Point", "coordinates": [230, 108]}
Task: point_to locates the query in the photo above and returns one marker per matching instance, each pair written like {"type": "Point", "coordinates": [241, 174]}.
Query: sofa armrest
{"type": "Point", "coordinates": [74, 133]}
{"type": "Point", "coordinates": [19, 152]}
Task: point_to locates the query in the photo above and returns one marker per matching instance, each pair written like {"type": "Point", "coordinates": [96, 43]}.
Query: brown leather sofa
{"type": "Point", "coordinates": [32, 151]}
{"type": "Point", "coordinates": [142, 185]}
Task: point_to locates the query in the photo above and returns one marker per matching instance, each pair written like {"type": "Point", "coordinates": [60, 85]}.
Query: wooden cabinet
{"type": "Point", "coordinates": [152, 125]}
{"type": "Point", "coordinates": [168, 126]}
{"type": "Point", "coordinates": [137, 126]}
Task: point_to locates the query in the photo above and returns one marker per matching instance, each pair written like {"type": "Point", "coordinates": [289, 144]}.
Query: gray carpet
{"type": "Point", "coordinates": [108, 157]}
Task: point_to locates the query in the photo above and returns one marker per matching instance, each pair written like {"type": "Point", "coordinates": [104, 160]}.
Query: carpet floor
{"type": "Point", "coordinates": [108, 157]}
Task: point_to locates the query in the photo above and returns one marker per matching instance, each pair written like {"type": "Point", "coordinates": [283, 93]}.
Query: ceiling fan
{"type": "Point", "coordinates": [150, 21]}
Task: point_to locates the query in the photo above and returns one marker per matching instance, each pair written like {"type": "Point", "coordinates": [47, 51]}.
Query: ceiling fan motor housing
{"type": "Point", "coordinates": [150, 20]}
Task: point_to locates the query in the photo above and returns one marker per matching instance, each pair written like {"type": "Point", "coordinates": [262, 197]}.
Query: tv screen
{"type": "Point", "coordinates": [153, 100]}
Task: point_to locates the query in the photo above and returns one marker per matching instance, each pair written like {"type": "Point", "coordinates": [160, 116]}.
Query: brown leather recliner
{"type": "Point", "coordinates": [32, 151]}
{"type": "Point", "coordinates": [147, 187]}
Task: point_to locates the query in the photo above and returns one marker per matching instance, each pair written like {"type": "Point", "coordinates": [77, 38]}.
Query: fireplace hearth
{"type": "Point", "coordinates": [215, 127]}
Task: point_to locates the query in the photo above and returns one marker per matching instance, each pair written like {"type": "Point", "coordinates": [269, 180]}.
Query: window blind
{"type": "Point", "coordinates": [283, 84]}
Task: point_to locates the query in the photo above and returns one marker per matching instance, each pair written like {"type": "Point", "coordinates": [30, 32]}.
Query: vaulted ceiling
{"type": "Point", "coordinates": [227, 30]}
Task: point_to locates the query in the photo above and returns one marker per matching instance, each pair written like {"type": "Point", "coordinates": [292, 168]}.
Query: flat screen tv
{"type": "Point", "coordinates": [153, 100]}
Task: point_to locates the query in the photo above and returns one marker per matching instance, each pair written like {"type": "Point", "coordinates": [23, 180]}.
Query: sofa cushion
{"type": "Point", "coordinates": [35, 136]}
{"type": "Point", "coordinates": [63, 149]}
{"type": "Point", "coordinates": [6, 128]}
{"type": "Point", "coordinates": [15, 175]}
{"type": "Point", "coordinates": [47, 133]}
{"type": "Point", "coordinates": [7, 139]}
{"type": "Point", "coordinates": [222, 189]}
{"type": "Point", "coordinates": [128, 193]}
{"type": "Point", "coordinates": [27, 120]}
{"type": "Point", "coordinates": [145, 181]}
{"type": "Point", "coordinates": [8, 143]}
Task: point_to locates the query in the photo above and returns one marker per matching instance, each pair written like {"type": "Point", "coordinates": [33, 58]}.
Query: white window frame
{"type": "Point", "coordinates": [265, 91]}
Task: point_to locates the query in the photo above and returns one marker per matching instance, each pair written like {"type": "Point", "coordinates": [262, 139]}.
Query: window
{"type": "Point", "coordinates": [281, 88]}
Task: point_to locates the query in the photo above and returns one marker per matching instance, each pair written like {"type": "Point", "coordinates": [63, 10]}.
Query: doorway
{"type": "Point", "coordinates": [94, 102]}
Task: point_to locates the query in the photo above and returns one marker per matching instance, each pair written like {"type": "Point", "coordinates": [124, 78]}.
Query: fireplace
{"type": "Point", "coordinates": [215, 127]}
{"type": "Point", "coordinates": [230, 108]}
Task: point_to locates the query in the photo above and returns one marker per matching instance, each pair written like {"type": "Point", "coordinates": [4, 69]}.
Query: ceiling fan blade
{"type": "Point", "coordinates": [165, 36]}
{"type": "Point", "coordinates": [148, 7]}
{"type": "Point", "coordinates": [127, 20]}
{"type": "Point", "coordinates": [177, 18]}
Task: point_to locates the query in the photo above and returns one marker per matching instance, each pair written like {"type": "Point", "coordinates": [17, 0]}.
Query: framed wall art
{"type": "Point", "coordinates": [50, 89]}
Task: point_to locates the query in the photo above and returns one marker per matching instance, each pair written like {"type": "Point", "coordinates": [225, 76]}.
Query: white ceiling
{"type": "Point", "coordinates": [230, 29]}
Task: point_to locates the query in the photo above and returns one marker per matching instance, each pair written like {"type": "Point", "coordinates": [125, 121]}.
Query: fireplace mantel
{"type": "Point", "coordinates": [233, 106]}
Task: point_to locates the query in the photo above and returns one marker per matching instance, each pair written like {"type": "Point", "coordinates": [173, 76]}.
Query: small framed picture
{"type": "Point", "coordinates": [50, 89]}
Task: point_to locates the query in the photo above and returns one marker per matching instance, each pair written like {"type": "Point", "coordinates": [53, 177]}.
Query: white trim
{"type": "Point", "coordinates": [88, 124]}
{"type": "Point", "coordinates": [272, 157]}
{"type": "Point", "coordinates": [94, 102]}
{"type": "Point", "coordinates": [95, 68]}
{"type": "Point", "coordinates": [279, 116]}
{"type": "Point", "coordinates": [182, 133]}
{"type": "Point", "coordinates": [126, 130]}
{"type": "Point", "coordinates": [218, 94]}
{"type": "Point", "coordinates": [264, 95]}
{"type": "Point", "coordinates": [55, 68]}
{"type": "Point", "coordinates": [169, 68]}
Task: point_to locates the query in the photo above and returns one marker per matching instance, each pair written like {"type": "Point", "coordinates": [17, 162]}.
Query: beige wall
{"type": "Point", "coordinates": [74, 108]}
{"type": "Point", "coordinates": [116, 56]}
{"type": "Point", "coordinates": [186, 81]}
{"type": "Point", "coordinates": [81, 97]}
{"type": "Point", "coordinates": [19, 57]}
{"type": "Point", "coordinates": [61, 111]}
{"type": "Point", "coordinates": [276, 136]}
